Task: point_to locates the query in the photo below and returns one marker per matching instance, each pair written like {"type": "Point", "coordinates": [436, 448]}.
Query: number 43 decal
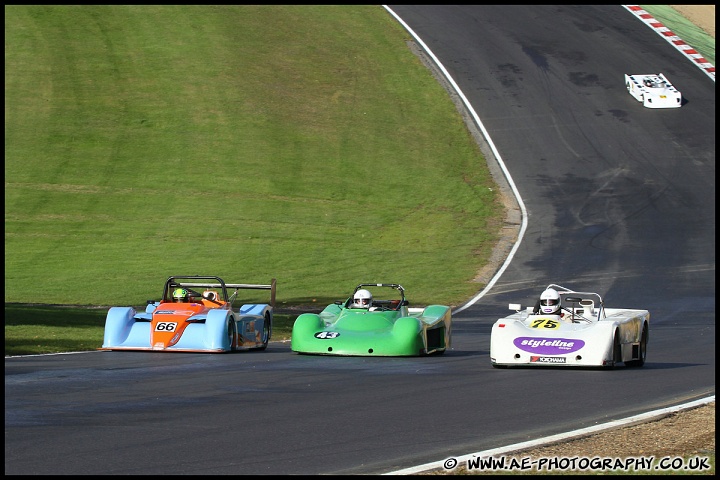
{"type": "Point", "coordinates": [326, 335]}
{"type": "Point", "coordinates": [545, 323]}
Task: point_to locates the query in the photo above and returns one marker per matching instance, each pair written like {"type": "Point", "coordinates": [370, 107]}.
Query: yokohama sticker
{"type": "Point", "coordinates": [548, 346]}
{"type": "Point", "coordinates": [538, 359]}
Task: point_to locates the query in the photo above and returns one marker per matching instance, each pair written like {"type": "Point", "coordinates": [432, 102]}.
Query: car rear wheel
{"type": "Point", "coordinates": [231, 332]}
{"type": "Point", "coordinates": [617, 351]}
{"type": "Point", "coordinates": [265, 333]}
{"type": "Point", "coordinates": [642, 352]}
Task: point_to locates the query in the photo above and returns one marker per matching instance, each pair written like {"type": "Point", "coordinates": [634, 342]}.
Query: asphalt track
{"type": "Point", "coordinates": [619, 199]}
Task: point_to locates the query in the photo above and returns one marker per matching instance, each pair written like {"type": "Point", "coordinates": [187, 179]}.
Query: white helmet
{"type": "Point", "coordinates": [362, 299]}
{"type": "Point", "coordinates": [550, 302]}
{"type": "Point", "coordinates": [210, 295]}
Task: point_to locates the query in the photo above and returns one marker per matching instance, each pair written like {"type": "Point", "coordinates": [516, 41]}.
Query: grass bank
{"type": "Point", "coordinates": [307, 144]}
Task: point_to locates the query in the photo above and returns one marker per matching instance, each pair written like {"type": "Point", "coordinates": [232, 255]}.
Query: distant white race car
{"type": "Point", "coordinates": [586, 335]}
{"type": "Point", "coordinates": [653, 90]}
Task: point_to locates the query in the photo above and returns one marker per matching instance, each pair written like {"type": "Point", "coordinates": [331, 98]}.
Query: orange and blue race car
{"type": "Point", "coordinates": [194, 315]}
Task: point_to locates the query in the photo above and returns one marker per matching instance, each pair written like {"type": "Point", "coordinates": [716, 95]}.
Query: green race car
{"type": "Point", "coordinates": [372, 325]}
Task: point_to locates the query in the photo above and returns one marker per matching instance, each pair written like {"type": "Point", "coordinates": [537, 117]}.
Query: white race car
{"type": "Point", "coordinates": [585, 334]}
{"type": "Point", "coordinates": [653, 90]}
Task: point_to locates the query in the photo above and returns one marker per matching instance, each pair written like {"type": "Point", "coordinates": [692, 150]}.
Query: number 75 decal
{"type": "Point", "coordinates": [545, 323]}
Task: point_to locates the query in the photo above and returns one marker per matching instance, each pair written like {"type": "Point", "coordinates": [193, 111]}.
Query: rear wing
{"type": "Point", "coordinates": [238, 286]}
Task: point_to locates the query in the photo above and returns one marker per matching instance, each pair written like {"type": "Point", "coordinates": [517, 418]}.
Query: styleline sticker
{"type": "Point", "coordinates": [548, 346]}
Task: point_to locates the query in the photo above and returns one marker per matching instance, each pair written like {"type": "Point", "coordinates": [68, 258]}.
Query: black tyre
{"type": "Point", "coordinates": [642, 354]}
{"type": "Point", "coordinates": [266, 332]}
{"type": "Point", "coordinates": [231, 332]}
{"type": "Point", "coordinates": [617, 351]}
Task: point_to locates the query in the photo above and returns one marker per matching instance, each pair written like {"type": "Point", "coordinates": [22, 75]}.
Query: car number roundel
{"type": "Point", "coordinates": [548, 323]}
{"type": "Point", "coordinates": [326, 335]}
{"type": "Point", "coordinates": [165, 326]}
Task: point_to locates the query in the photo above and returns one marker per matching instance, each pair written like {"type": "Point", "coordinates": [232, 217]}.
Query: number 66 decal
{"type": "Point", "coordinates": [165, 326]}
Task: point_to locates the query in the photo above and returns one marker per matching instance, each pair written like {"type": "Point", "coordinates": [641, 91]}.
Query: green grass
{"type": "Point", "coordinates": [47, 329]}
{"type": "Point", "coordinates": [306, 144]}
{"type": "Point", "coordinates": [682, 27]}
